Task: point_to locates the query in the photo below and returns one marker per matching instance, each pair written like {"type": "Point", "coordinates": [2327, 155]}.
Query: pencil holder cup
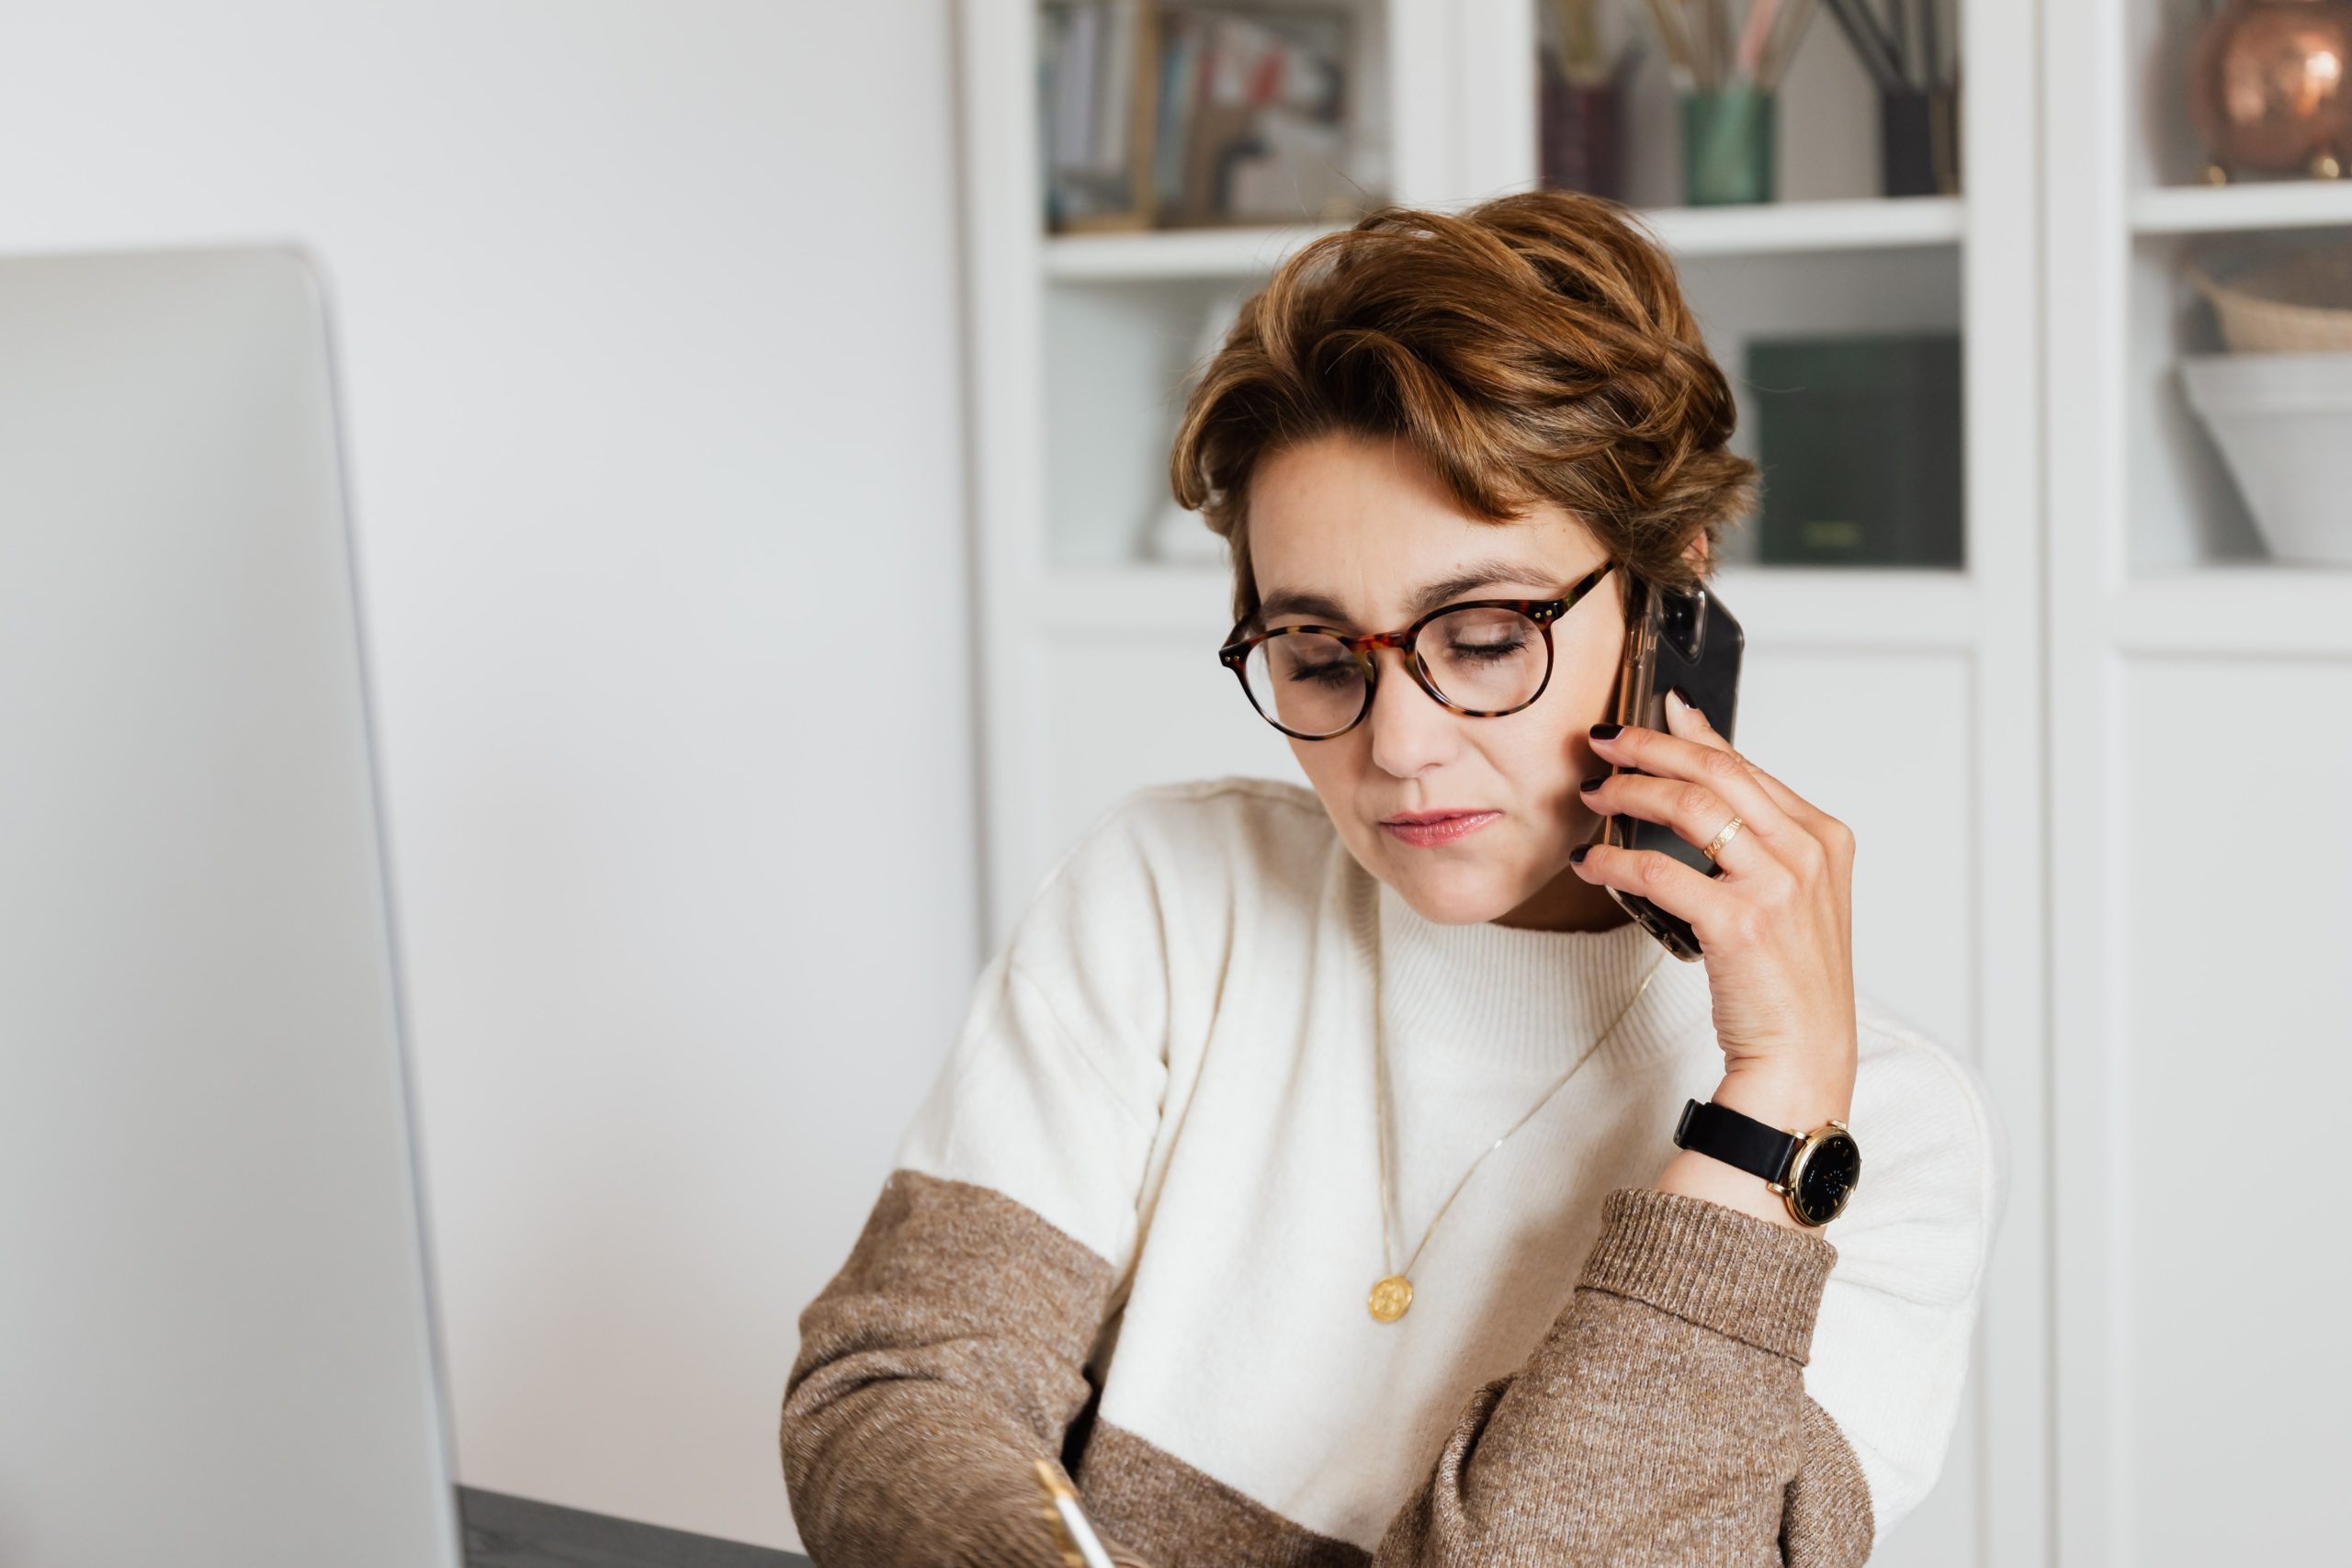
{"type": "Point", "coordinates": [1727, 144]}
{"type": "Point", "coordinates": [1919, 141]}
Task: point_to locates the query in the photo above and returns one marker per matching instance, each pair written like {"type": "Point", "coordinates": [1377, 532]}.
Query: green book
{"type": "Point", "coordinates": [1858, 437]}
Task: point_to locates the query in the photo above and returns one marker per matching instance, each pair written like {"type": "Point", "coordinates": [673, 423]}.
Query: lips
{"type": "Point", "coordinates": [1426, 829]}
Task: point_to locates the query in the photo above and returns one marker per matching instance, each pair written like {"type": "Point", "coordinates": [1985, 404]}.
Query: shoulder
{"type": "Point", "coordinates": [1934, 1164]}
{"type": "Point", "coordinates": [1212, 840]}
{"type": "Point", "coordinates": [1162, 882]}
{"type": "Point", "coordinates": [1202, 812]}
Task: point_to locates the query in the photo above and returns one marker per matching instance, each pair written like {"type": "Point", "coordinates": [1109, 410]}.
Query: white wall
{"type": "Point", "coordinates": [648, 333]}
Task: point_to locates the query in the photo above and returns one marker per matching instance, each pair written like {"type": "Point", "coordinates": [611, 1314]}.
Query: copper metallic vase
{"type": "Point", "coordinates": [2268, 88]}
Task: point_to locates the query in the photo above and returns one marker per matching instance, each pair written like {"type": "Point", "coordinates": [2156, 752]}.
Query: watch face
{"type": "Point", "coordinates": [1825, 1175]}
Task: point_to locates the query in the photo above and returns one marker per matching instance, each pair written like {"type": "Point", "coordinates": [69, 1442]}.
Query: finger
{"type": "Point", "coordinates": [1694, 896]}
{"type": "Point", "coordinates": [1724, 771]}
{"type": "Point", "coordinates": [1692, 810]}
{"type": "Point", "coordinates": [1686, 719]}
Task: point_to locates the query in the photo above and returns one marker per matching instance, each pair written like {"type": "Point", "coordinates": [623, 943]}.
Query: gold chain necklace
{"type": "Point", "coordinates": [1394, 1293]}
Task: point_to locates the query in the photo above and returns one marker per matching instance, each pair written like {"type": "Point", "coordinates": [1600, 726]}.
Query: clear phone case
{"type": "Point", "coordinates": [1672, 639]}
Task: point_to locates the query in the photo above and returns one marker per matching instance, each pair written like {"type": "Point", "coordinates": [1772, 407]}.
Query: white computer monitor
{"type": "Point", "coordinates": [216, 1329]}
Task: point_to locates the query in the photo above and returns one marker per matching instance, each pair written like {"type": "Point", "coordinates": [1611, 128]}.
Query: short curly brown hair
{"type": "Point", "coordinates": [1533, 347]}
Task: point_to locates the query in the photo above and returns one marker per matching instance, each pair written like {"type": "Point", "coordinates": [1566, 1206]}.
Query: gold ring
{"type": "Point", "coordinates": [1723, 836]}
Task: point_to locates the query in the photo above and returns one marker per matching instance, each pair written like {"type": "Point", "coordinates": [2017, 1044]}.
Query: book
{"type": "Point", "coordinates": [1860, 440]}
{"type": "Point", "coordinates": [1167, 113]}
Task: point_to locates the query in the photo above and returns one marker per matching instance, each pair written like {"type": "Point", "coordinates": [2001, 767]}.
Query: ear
{"type": "Point", "coordinates": [1695, 552]}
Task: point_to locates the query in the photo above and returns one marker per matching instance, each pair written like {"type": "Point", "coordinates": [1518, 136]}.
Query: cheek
{"type": "Point", "coordinates": [1549, 756]}
{"type": "Point", "coordinates": [1541, 761]}
{"type": "Point", "coordinates": [1331, 767]}
{"type": "Point", "coordinates": [1584, 679]}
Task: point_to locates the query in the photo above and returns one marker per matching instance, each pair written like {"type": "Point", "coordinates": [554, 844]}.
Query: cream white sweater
{"type": "Point", "coordinates": [1163, 1097]}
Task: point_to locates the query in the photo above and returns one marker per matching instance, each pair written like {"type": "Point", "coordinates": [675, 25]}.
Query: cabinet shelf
{"type": "Point", "coordinates": [1237, 252]}
{"type": "Point", "coordinates": [1767, 228]}
{"type": "Point", "coordinates": [2217, 209]}
{"type": "Point", "coordinates": [1763, 228]}
{"type": "Point", "coordinates": [1794, 607]}
{"type": "Point", "coordinates": [2258, 608]}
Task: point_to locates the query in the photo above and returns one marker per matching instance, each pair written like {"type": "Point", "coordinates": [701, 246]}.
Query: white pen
{"type": "Point", "coordinates": [1081, 1548]}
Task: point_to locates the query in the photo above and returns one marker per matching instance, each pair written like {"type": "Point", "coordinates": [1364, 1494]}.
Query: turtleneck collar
{"type": "Point", "coordinates": [1518, 1000]}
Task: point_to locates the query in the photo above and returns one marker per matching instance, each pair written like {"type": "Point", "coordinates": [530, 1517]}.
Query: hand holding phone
{"type": "Point", "coordinates": [1779, 907]}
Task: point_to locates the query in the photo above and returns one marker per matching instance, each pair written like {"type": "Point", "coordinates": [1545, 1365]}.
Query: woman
{"type": "Point", "coordinates": [1202, 1203]}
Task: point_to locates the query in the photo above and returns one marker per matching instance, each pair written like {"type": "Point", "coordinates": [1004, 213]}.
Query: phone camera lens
{"type": "Point", "coordinates": [1684, 614]}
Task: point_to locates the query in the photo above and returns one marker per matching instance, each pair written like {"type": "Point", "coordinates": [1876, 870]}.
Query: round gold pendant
{"type": "Point", "coordinates": [1390, 1297]}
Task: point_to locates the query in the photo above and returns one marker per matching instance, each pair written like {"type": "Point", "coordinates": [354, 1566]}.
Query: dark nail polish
{"type": "Point", "coordinates": [1575, 856]}
{"type": "Point", "coordinates": [1684, 698]}
{"type": "Point", "coordinates": [1606, 731]}
{"type": "Point", "coordinates": [1593, 783]}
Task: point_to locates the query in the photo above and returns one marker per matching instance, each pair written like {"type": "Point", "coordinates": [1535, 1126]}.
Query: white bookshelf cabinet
{"type": "Point", "coordinates": [2196, 978]}
{"type": "Point", "coordinates": [2016, 743]}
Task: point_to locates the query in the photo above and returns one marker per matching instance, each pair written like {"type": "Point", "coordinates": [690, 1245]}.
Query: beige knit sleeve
{"type": "Point", "coordinates": [1663, 1420]}
{"type": "Point", "coordinates": [935, 1369]}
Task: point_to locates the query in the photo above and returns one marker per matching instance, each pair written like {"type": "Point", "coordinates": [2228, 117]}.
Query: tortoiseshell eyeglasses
{"type": "Point", "coordinates": [1482, 658]}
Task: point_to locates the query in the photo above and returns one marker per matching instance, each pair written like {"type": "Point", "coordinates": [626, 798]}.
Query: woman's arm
{"type": "Point", "coordinates": [942, 1360]}
{"type": "Point", "coordinates": [1662, 1420]}
{"type": "Point", "coordinates": [949, 1353]}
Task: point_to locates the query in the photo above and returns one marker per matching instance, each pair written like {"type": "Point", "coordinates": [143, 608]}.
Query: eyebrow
{"type": "Point", "coordinates": [1478, 574]}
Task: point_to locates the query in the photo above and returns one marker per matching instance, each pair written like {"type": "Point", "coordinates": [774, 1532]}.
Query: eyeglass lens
{"type": "Point", "coordinates": [1484, 661]}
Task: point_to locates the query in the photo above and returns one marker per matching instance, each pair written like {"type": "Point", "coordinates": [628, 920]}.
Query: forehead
{"type": "Point", "coordinates": [1367, 526]}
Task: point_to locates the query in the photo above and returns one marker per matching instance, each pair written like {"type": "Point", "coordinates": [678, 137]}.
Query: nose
{"type": "Point", "coordinates": [1410, 734]}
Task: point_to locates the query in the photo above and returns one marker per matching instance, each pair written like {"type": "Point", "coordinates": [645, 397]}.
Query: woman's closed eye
{"type": "Point", "coordinates": [1485, 649]}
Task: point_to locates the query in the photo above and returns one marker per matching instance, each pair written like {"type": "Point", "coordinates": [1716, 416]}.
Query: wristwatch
{"type": "Point", "coordinates": [1814, 1172]}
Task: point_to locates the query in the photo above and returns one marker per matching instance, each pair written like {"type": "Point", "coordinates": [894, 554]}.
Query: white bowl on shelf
{"type": "Point", "coordinates": [2284, 424]}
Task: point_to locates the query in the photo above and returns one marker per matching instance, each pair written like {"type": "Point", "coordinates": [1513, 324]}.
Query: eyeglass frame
{"type": "Point", "coordinates": [1234, 653]}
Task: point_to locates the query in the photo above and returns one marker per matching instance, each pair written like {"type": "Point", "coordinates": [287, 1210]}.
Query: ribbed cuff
{"type": "Point", "coordinates": [1742, 1277]}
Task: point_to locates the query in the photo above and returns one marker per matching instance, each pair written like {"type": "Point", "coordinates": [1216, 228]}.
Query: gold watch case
{"type": "Point", "coordinates": [1793, 1179]}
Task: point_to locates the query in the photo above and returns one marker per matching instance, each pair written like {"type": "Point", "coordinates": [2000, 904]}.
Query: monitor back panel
{"type": "Point", "coordinates": [216, 1342]}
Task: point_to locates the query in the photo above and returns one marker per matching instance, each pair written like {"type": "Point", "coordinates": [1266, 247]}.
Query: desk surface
{"type": "Point", "coordinates": [514, 1532]}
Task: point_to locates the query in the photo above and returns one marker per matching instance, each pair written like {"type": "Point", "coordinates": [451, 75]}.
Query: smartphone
{"type": "Point", "coordinates": [1673, 637]}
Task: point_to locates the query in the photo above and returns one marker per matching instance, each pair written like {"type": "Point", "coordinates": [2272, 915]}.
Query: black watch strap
{"type": "Point", "coordinates": [1736, 1139]}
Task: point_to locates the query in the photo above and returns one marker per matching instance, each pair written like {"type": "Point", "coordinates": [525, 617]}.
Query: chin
{"type": "Point", "coordinates": [1459, 895]}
